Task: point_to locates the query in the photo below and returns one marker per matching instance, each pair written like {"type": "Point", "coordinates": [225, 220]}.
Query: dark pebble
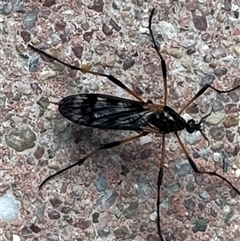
{"type": "Point", "coordinates": [220, 72]}
{"type": "Point", "coordinates": [54, 215]}
{"type": "Point", "coordinates": [78, 50]}
{"type": "Point", "coordinates": [88, 36]}
{"type": "Point", "coordinates": [128, 64]}
{"type": "Point", "coordinates": [108, 31]}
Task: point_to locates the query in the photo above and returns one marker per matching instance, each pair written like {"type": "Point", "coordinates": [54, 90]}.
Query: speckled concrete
{"type": "Point", "coordinates": [113, 195]}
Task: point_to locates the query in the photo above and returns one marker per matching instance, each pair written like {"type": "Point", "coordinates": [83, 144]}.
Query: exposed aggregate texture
{"type": "Point", "coordinates": [113, 195]}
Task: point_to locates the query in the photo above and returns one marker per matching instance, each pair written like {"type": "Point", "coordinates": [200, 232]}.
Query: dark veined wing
{"type": "Point", "coordinates": [105, 111]}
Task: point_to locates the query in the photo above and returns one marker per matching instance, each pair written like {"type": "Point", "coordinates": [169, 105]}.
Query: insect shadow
{"type": "Point", "coordinates": [110, 112]}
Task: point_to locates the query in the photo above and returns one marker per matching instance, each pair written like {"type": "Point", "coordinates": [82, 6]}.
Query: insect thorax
{"type": "Point", "coordinates": [167, 121]}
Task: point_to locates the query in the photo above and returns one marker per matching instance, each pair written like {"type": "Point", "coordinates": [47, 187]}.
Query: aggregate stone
{"type": "Point", "coordinates": [168, 29]}
{"type": "Point", "coordinates": [24, 88]}
{"type": "Point", "coordinates": [231, 108]}
{"type": "Point", "coordinates": [60, 125]}
{"type": "Point", "coordinates": [173, 187]}
{"type": "Point", "coordinates": [190, 184]}
{"type": "Point", "coordinates": [121, 233]}
{"type": "Point", "coordinates": [217, 133]}
{"type": "Point", "coordinates": [231, 216]}
{"type": "Point", "coordinates": [7, 8]}
{"type": "Point", "coordinates": [31, 161]}
{"type": "Point", "coordinates": [218, 52]}
{"type": "Point", "coordinates": [35, 228]}
{"type": "Point", "coordinates": [49, 3]}
{"type": "Point", "coordinates": [207, 79]}
{"type": "Point", "coordinates": [207, 58]}
{"type": "Point", "coordinates": [78, 50]}
{"type": "Point", "coordinates": [200, 225]}
{"type": "Point", "coordinates": [30, 18]}
{"type": "Point", "coordinates": [237, 49]}
{"type": "Point", "coordinates": [20, 7]}
{"type": "Point", "coordinates": [33, 63]}
{"type": "Point", "coordinates": [217, 105]}
{"type": "Point", "coordinates": [95, 217]}
{"type": "Point", "coordinates": [217, 146]}
{"type": "Point", "coordinates": [149, 68]}
{"type": "Point", "coordinates": [88, 36]}
{"type": "Point", "coordinates": [220, 72]}
{"type": "Point", "coordinates": [182, 169]}
{"type": "Point", "coordinates": [102, 183]}
{"type": "Point", "coordinates": [53, 214]}
{"type": "Point", "coordinates": [36, 88]}
{"type": "Point", "coordinates": [26, 232]}
{"type": "Point", "coordinates": [176, 53]}
{"type": "Point", "coordinates": [26, 36]}
{"type": "Point", "coordinates": [39, 152]}
{"type": "Point", "coordinates": [231, 120]}
{"type": "Point", "coordinates": [55, 202]}
{"type": "Point", "coordinates": [97, 6]}
{"type": "Point", "coordinates": [200, 22]}
{"type": "Point", "coordinates": [60, 26]}
{"type": "Point", "coordinates": [107, 30]}
{"type": "Point", "coordinates": [107, 199]}
{"type": "Point", "coordinates": [103, 232]}
{"type": "Point", "coordinates": [9, 208]}
{"type": "Point", "coordinates": [194, 138]}
{"type": "Point", "coordinates": [131, 210]}
{"type": "Point", "coordinates": [66, 210]}
{"type": "Point", "coordinates": [128, 63]}
{"type": "Point", "coordinates": [82, 223]}
{"type": "Point", "coordinates": [21, 139]}
{"type": "Point", "coordinates": [40, 212]}
{"type": "Point", "coordinates": [215, 118]}
{"type": "Point", "coordinates": [205, 196]}
{"type": "Point", "coordinates": [47, 74]}
{"type": "Point", "coordinates": [2, 102]}
{"type": "Point", "coordinates": [114, 24]}
{"type": "Point", "coordinates": [189, 204]}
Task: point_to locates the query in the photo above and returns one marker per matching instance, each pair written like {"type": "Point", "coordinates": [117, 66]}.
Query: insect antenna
{"type": "Point", "coordinates": [201, 130]}
{"type": "Point", "coordinates": [202, 90]}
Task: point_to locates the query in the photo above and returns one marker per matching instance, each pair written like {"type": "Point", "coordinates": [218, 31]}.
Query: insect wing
{"type": "Point", "coordinates": [105, 111]}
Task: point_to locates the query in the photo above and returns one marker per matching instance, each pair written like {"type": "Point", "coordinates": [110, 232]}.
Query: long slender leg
{"type": "Point", "coordinates": [163, 63]}
{"type": "Point", "coordinates": [201, 91]}
{"type": "Point", "coordinates": [195, 168]}
{"type": "Point", "coordinates": [102, 147]}
{"type": "Point", "coordinates": [110, 77]}
{"type": "Point", "coordinates": [160, 173]}
{"type": "Point", "coordinates": [159, 183]}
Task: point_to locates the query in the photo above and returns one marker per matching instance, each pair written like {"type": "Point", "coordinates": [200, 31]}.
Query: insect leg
{"type": "Point", "coordinates": [83, 70]}
{"type": "Point", "coordinates": [195, 168]}
{"type": "Point", "coordinates": [163, 63]}
{"type": "Point", "coordinates": [202, 90]}
{"type": "Point", "coordinates": [159, 183]}
{"type": "Point", "coordinates": [102, 147]}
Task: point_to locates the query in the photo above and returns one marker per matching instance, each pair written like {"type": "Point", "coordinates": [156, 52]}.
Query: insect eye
{"type": "Point", "coordinates": [191, 122]}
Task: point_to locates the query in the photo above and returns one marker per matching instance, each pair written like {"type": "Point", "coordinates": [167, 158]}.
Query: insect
{"type": "Point", "coordinates": [110, 112]}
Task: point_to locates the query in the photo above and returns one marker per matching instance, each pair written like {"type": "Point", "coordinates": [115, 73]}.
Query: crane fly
{"type": "Point", "coordinates": [109, 112]}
